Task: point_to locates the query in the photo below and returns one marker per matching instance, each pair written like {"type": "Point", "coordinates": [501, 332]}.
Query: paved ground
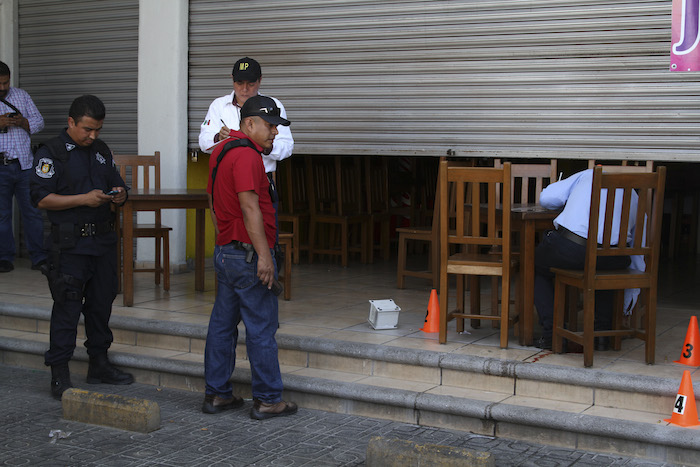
{"type": "Point", "coordinates": [188, 437]}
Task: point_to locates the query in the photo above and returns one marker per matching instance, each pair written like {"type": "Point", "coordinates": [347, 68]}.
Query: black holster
{"type": "Point", "coordinates": [58, 283]}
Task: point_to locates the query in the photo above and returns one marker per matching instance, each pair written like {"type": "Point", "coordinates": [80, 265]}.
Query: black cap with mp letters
{"type": "Point", "coordinates": [246, 69]}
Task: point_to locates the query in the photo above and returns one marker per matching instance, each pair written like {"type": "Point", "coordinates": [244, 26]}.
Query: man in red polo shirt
{"type": "Point", "coordinates": [244, 217]}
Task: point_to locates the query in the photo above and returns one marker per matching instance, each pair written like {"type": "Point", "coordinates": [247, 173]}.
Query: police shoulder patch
{"type": "Point", "coordinates": [45, 168]}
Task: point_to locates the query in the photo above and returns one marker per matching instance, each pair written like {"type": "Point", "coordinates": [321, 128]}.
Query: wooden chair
{"type": "Point", "coordinates": [285, 242]}
{"type": "Point", "coordinates": [421, 234]}
{"type": "Point", "coordinates": [649, 212]}
{"type": "Point", "coordinates": [426, 234]}
{"type": "Point", "coordinates": [136, 171]}
{"type": "Point", "coordinates": [475, 189]}
{"type": "Point", "coordinates": [527, 182]}
{"type": "Point", "coordinates": [293, 212]}
{"type": "Point", "coordinates": [336, 202]}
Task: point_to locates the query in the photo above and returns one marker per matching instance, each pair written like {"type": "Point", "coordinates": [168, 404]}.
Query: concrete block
{"type": "Point", "coordinates": [384, 452]}
{"type": "Point", "coordinates": [111, 410]}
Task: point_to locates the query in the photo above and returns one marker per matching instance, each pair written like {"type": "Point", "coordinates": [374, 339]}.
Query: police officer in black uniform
{"type": "Point", "coordinates": [76, 182]}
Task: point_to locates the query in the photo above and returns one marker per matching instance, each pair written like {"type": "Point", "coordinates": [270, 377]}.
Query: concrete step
{"type": "Point", "coordinates": [562, 406]}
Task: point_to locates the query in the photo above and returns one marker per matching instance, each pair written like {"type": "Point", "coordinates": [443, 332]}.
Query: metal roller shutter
{"type": "Point", "coordinates": [76, 47]}
{"type": "Point", "coordinates": [572, 78]}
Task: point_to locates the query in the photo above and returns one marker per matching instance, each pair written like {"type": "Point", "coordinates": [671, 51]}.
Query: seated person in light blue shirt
{"type": "Point", "coordinates": [565, 248]}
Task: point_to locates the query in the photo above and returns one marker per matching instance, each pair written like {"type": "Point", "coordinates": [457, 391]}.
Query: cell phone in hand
{"type": "Point", "coordinates": [276, 287]}
{"type": "Point", "coordinates": [112, 192]}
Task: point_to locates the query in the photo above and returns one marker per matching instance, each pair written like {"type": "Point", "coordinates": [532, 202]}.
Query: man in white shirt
{"type": "Point", "coordinates": [224, 114]}
{"type": "Point", "coordinates": [565, 248]}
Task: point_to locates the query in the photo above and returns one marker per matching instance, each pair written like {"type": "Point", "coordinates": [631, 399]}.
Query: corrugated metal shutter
{"type": "Point", "coordinates": [574, 77]}
{"type": "Point", "coordinates": [76, 47]}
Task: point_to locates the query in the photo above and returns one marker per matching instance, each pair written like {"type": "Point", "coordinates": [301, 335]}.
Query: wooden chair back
{"type": "Point", "coordinates": [624, 166]}
{"type": "Point", "coordinates": [140, 171]}
{"type": "Point", "coordinates": [630, 197]}
{"type": "Point", "coordinates": [291, 183]}
{"type": "Point", "coordinates": [528, 180]}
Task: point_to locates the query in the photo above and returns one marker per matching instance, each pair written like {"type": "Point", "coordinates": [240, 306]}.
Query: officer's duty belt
{"type": "Point", "coordinates": [86, 230]}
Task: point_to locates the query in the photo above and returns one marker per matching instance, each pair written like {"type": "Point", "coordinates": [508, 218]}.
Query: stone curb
{"type": "Point", "coordinates": [111, 410]}
{"type": "Point", "coordinates": [386, 452]}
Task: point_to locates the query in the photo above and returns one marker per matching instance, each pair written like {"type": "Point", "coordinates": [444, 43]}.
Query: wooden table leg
{"type": "Point", "coordinates": [199, 251]}
{"type": "Point", "coordinates": [128, 254]}
{"type": "Point", "coordinates": [527, 274]}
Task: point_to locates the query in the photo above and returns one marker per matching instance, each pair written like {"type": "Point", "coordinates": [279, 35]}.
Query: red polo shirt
{"type": "Point", "coordinates": [241, 169]}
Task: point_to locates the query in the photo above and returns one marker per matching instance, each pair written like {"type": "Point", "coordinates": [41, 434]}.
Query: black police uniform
{"type": "Point", "coordinates": [82, 242]}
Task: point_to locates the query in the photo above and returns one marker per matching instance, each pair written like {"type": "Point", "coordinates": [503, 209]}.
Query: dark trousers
{"type": "Point", "coordinates": [93, 300]}
{"type": "Point", "coordinates": [559, 252]}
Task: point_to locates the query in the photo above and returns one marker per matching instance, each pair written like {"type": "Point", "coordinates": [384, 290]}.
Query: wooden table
{"type": "Point", "coordinates": [148, 200]}
{"type": "Point", "coordinates": [529, 219]}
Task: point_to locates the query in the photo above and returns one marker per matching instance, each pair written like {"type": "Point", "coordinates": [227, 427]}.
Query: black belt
{"type": "Point", "coordinates": [569, 235]}
{"type": "Point", "coordinates": [242, 246]}
{"type": "Point", "coordinates": [86, 230]}
{"type": "Point", "coordinates": [6, 160]}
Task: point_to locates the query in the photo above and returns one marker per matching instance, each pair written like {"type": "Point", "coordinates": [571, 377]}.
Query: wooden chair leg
{"type": "Point", "coordinates": [401, 263]}
{"type": "Point", "coordinates": [588, 326]}
{"type": "Point", "coordinates": [312, 240]}
{"type": "Point", "coordinates": [475, 300]}
{"type": "Point", "coordinates": [166, 260]}
{"type": "Point", "coordinates": [157, 268]}
{"type": "Point", "coordinates": [494, 300]}
{"type": "Point", "coordinates": [460, 279]}
{"type": "Point", "coordinates": [558, 318]}
{"type": "Point", "coordinates": [344, 245]}
{"type": "Point", "coordinates": [505, 309]}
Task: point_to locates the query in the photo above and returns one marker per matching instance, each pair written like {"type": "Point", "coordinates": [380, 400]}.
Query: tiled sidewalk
{"type": "Point", "coordinates": [188, 437]}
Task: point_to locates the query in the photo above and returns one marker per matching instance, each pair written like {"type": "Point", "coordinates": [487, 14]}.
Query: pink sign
{"type": "Point", "coordinates": [685, 35]}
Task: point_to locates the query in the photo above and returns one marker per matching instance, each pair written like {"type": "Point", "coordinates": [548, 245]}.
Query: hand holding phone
{"type": "Point", "coordinates": [112, 192]}
{"type": "Point", "coordinates": [276, 287]}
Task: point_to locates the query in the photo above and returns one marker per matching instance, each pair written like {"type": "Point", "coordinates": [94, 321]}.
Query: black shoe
{"type": "Point", "coordinates": [215, 404]}
{"type": "Point", "coordinates": [102, 371]}
{"type": "Point", "coordinates": [601, 344]}
{"type": "Point", "coordinates": [60, 380]}
{"type": "Point", "coordinates": [544, 342]}
{"type": "Point", "coordinates": [6, 266]}
{"type": "Point", "coordinates": [262, 410]}
{"type": "Point", "coordinates": [37, 266]}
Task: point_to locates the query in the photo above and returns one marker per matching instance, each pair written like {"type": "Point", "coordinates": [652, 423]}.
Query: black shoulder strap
{"type": "Point", "coordinates": [236, 143]}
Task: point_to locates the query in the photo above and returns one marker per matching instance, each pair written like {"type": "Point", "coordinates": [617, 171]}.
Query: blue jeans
{"type": "Point", "coordinates": [14, 182]}
{"type": "Point", "coordinates": [241, 295]}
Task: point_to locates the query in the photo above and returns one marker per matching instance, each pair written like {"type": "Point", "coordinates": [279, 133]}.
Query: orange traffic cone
{"type": "Point", "coordinates": [684, 413]}
{"type": "Point", "coordinates": [432, 316]}
{"type": "Point", "coordinates": [691, 346]}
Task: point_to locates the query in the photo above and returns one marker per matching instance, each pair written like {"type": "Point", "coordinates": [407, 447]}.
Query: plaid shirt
{"type": "Point", "coordinates": [16, 142]}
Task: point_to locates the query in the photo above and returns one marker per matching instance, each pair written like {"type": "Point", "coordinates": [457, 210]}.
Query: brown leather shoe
{"type": "Point", "coordinates": [262, 410]}
{"type": "Point", "coordinates": [215, 404]}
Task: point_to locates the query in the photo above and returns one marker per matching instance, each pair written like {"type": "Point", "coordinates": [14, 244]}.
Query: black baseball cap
{"type": "Point", "coordinates": [265, 108]}
{"type": "Point", "coordinates": [246, 69]}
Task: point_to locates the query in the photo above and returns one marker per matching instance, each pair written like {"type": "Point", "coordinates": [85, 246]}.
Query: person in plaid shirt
{"type": "Point", "coordinates": [19, 119]}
